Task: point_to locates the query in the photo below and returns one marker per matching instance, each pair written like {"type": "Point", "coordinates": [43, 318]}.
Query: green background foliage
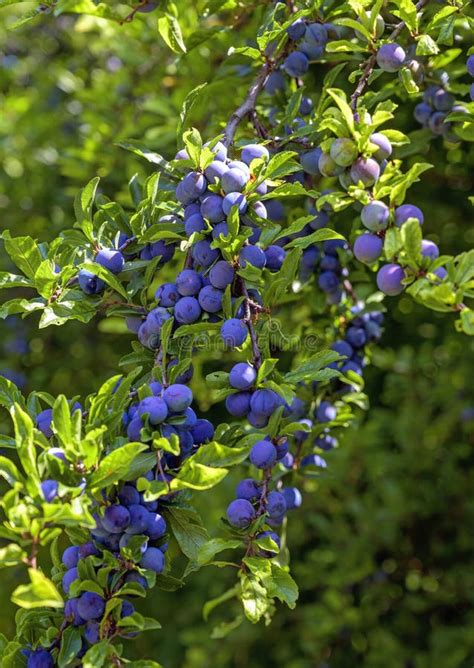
{"type": "Point", "coordinates": [383, 548]}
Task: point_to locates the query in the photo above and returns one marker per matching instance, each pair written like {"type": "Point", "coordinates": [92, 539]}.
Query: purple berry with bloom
{"type": "Point", "coordinates": [110, 259]}
{"type": "Point", "coordinates": [390, 57]}
{"type": "Point", "coordinates": [368, 248]}
{"type": "Point", "coordinates": [263, 454]}
{"type": "Point", "coordinates": [234, 332]}
{"type": "Point", "coordinates": [240, 513]}
{"type": "Point", "coordinates": [242, 376]}
{"type": "Point", "coordinates": [406, 211]}
{"type": "Point", "coordinates": [389, 279]}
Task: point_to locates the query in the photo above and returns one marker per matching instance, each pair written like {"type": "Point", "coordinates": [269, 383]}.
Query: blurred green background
{"type": "Point", "coordinates": [383, 548]}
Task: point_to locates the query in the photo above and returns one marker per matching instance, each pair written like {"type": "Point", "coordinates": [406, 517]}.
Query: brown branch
{"type": "Point", "coordinates": [248, 105]}
{"type": "Point", "coordinates": [257, 355]}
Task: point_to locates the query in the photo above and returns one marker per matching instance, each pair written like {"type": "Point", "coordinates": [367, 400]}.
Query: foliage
{"type": "Point", "coordinates": [291, 315]}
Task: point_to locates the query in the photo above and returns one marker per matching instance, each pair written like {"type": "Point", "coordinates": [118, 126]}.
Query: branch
{"type": "Point", "coordinates": [257, 355]}
{"type": "Point", "coordinates": [370, 64]}
{"type": "Point", "coordinates": [248, 105]}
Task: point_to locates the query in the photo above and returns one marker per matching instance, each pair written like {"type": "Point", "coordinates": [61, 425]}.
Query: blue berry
{"type": "Point", "coordinates": [90, 605]}
{"type": "Point", "coordinates": [389, 279]}
{"type": "Point", "coordinates": [326, 412]}
{"type": "Point", "coordinates": [110, 259]}
{"type": "Point", "coordinates": [153, 559]}
{"type": "Point", "coordinates": [178, 397]}
{"type": "Point", "coordinates": [167, 295]}
{"type": "Point", "coordinates": [406, 211]}
{"type": "Point", "coordinates": [263, 454]}
{"type": "Point", "coordinates": [248, 489]}
{"type": "Point", "coordinates": [49, 489]}
{"type": "Point", "coordinates": [90, 283]}
{"type": "Point", "coordinates": [240, 513]}
{"type": "Point", "coordinates": [202, 431]}
{"type": "Point", "coordinates": [254, 152]}
{"type": "Point", "coordinates": [69, 577]}
{"type": "Point", "coordinates": [296, 64]}
{"type": "Point", "coordinates": [293, 497]}
{"type": "Point", "coordinates": [275, 256]}
{"type": "Point", "coordinates": [187, 310]}
{"type": "Point", "coordinates": [221, 274]}
{"type": "Point", "coordinates": [210, 299]}
{"type": "Point", "coordinates": [70, 556]}
{"type": "Point", "coordinates": [242, 376]}
{"type": "Point", "coordinates": [116, 519]}
{"type": "Point", "coordinates": [238, 404]}
{"type": "Point", "coordinates": [188, 282]}
{"type": "Point", "coordinates": [254, 255]}
{"type": "Point", "coordinates": [155, 407]}
{"type": "Point", "coordinates": [264, 402]}
{"type": "Point", "coordinates": [276, 504]}
{"type": "Point", "coordinates": [234, 332]}
{"type": "Point", "coordinates": [43, 422]}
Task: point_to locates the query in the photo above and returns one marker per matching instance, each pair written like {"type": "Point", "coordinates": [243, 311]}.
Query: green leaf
{"type": "Point", "coordinates": [406, 10]}
{"type": "Point", "coordinates": [197, 476]}
{"type": "Point", "coordinates": [282, 586]}
{"type": "Point", "coordinates": [115, 465]}
{"type": "Point", "coordinates": [188, 530]}
{"type": "Point", "coordinates": [9, 393]}
{"type": "Point", "coordinates": [193, 143]}
{"type": "Point", "coordinates": [188, 104]}
{"type": "Point", "coordinates": [138, 148]}
{"type": "Point", "coordinates": [24, 441]}
{"type": "Point", "coordinates": [216, 454]}
{"type": "Point", "coordinates": [315, 237]}
{"type": "Point", "coordinates": [106, 276]}
{"type": "Point", "coordinates": [96, 656]}
{"type": "Point", "coordinates": [24, 252]}
{"type": "Point", "coordinates": [392, 242]}
{"type": "Point", "coordinates": [46, 278]}
{"type": "Point", "coordinates": [39, 594]}
{"type": "Point", "coordinates": [169, 29]}
{"type": "Point", "coordinates": [398, 191]}
{"type": "Point", "coordinates": [208, 550]}
{"type": "Point", "coordinates": [309, 369]}
{"type": "Point", "coordinates": [11, 555]}
{"type": "Point", "coordinates": [70, 645]}
{"type": "Point", "coordinates": [9, 472]}
{"type": "Point", "coordinates": [467, 321]}
{"type": "Point", "coordinates": [84, 201]}
{"type": "Point", "coordinates": [340, 99]}
{"type": "Point", "coordinates": [411, 238]}
{"type": "Point", "coordinates": [280, 165]}
{"type": "Point", "coordinates": [8, 280]}
{"type": "Point", "coordinates": [426, 46]}
{"type": "Point", "coordinates": [62, 422]}
{"type": "Point", "coordinates": [254, 598]}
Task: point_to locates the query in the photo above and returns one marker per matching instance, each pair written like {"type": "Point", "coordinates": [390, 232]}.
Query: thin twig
{"type": "Point", "coordinates": [248, 104]}
{"type": "Point", "coordinates": [257, 355]}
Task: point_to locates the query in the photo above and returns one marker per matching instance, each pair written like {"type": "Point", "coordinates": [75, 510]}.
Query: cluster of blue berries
{"type": "Point", "coordinates": [377, 217]}
{"type": "Point", "coordinates": [129, 528]}
{"type": "Point", "coordinates": [167, 411]}
{"type": "Point", "coordinates": [359, 332]}
{"type": "Point", "coordinates": [208, 198]}
{"type": "Point", "coordinates": [437, 104]}
{"type": "Point", "coordinates": [311, 39]}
